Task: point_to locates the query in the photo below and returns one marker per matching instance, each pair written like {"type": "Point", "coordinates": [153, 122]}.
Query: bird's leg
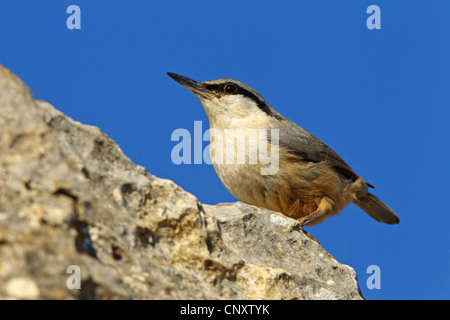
{"type": "Point", "coordinates": [326, 206]}
{"type": "Point", "coordinates": [307, 219]}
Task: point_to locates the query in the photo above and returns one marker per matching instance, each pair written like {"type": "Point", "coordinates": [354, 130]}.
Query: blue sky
{"type": "Point", "coordinates": [379, 98]}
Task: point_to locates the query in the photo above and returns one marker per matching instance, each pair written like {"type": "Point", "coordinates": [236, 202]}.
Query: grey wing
{"type": "Point", "coordinates": [300, 142]}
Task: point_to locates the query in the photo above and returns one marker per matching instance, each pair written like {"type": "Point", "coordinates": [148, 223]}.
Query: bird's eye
{"type": "Point", "coordinates": [230, 88]}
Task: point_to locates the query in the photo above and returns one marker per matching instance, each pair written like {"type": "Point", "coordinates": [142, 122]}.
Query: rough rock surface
{"type": "Point", "coordinates": [70, 197]}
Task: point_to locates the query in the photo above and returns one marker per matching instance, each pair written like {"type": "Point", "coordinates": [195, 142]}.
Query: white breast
{"type": "Point", "coordinates": [242, 159]}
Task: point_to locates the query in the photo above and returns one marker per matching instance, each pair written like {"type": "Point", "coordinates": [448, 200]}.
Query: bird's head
{"type": "Point", "coordinates": [229, 103]}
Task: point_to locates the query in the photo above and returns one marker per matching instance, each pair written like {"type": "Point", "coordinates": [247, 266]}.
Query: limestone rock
{"type": "Point", "coordinates": [74, 207]}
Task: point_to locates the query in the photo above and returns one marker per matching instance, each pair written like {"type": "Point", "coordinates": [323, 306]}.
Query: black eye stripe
{"type": "Point", "coordinates": [219, 88]}
{"type": "Point", "coordinates": [214, 87]}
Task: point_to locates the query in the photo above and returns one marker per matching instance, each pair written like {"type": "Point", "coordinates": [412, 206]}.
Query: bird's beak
{"type": "Point", "coordinates": [196, 87]}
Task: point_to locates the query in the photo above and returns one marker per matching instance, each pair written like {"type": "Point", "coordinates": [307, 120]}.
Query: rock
{"type": "Point", "coordinates": [22, 288]}
{"type": "Point", "coordinates": [75, 210]}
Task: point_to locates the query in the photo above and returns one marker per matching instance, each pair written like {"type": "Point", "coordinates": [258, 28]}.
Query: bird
{"type": "Point", "coordinates": [311, 182]}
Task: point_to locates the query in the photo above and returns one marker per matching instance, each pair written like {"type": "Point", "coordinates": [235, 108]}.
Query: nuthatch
{"type": "Point", "coordinates": [312, 182]}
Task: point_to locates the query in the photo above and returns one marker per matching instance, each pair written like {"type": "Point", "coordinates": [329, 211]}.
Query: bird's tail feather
{"type": "Point", "coordinates": [375, 208]}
